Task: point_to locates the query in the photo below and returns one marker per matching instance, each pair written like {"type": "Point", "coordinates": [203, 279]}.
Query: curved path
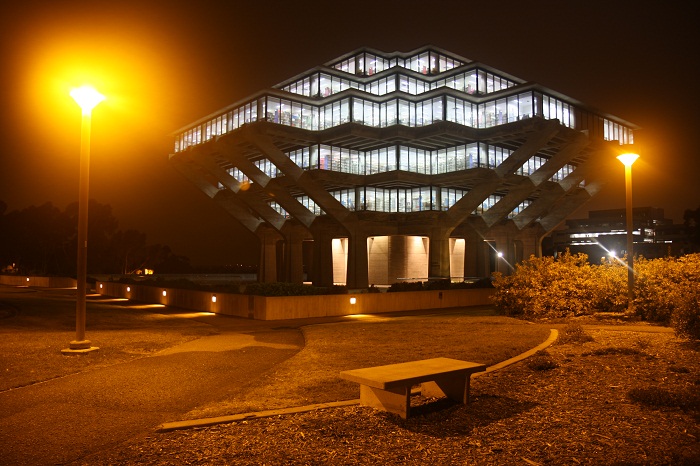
{"type": "Point", "coordinates": [64, 419]}
{"type": "Point", "coordinates": [205, 422]}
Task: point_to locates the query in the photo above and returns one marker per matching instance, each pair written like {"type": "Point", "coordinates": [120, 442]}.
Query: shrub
{"type": "Point", "coordinates": [542, 361]}
{"type": "Point", "coordinates": [284, 289]}
{"type": "Point", "coordinates": [574, 333]}
{"type": "Point", "coordinates": [442, 284]}
{"type": "Point", "coordinates": [545, 287]}
{"type": "Point", "coordinates": [406, 286]}
{"type": "Point", "coordinates": [666, 290]}
{"type": "Point", "coordinates": [659, 398]}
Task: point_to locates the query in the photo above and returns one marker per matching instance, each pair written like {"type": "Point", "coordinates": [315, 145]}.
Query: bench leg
{"type": "Point", "coordinates": [395, 401]}
{"type": "Point", "coordinates": [454, 388]}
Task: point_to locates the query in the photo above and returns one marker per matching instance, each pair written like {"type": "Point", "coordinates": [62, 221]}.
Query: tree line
{"type": "Point", "coordinates": [43, 241]}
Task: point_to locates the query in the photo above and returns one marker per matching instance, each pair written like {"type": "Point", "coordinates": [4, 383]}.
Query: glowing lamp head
{"type": "Point", "coordinates": [87, 98]}
{"type": "Point", "coordinates": [628, 158]}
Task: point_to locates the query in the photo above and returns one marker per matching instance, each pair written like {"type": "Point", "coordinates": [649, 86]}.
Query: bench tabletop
{"type": "Point", "coordinates": [413, 372]}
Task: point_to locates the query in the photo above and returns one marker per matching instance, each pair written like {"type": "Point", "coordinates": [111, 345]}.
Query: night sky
{"type": "Point", "coordinates": [165, 64]}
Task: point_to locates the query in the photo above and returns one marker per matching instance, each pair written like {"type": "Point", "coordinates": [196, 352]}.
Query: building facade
{"type": "Point", "coordinates": [604, 234]}
{"type": "Point", "coordinates": [378, 167]}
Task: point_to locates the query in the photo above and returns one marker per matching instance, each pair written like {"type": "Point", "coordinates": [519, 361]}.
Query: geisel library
{"type": "Point", "coordinates": [380, 167]}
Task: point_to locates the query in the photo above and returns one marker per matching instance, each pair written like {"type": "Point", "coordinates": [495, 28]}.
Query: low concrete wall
{"type": "Point", "coordinates": [43, 282]}
{"type": "Point", "coordinates": [202, 301]}
{"type": "Point", "coordinates": [297, 307]}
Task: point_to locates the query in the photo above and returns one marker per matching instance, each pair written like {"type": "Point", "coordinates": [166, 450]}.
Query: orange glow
{"type": "Point", "coordinates": [130, 64]}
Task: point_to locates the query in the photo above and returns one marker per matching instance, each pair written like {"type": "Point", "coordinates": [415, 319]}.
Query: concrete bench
{"type": "Point", "coordinates": [389, 387]}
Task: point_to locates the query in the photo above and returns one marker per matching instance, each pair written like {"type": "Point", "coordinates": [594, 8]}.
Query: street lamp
{"type": "Point", "coordinates": [87, 98]}
{"type": "Point", "coordinates": [627, 160]}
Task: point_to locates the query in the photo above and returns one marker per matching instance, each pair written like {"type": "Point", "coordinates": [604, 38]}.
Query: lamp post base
{"type": "Point", "coordinates": [79, 347]}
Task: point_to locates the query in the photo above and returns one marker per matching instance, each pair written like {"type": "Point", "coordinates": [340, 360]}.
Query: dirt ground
{"type": "Point", "coordinates": [600, 395]}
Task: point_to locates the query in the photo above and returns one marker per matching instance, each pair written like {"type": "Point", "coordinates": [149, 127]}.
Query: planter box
{"type": "Point", "coordinates": [42, 282]}
{"type": "Point", "coordinates": [297, 307]}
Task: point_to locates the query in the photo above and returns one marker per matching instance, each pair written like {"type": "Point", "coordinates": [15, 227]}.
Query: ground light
{"type": "Point", "coordinates": [87, 98]}
{"type": "Point", "coordinates": [627, 160]}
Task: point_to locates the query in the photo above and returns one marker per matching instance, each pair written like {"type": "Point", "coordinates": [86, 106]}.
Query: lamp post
{"type": "Point", "coordinates": [627, 160]}
{"type": "Point", "coordinates": [87, 98]}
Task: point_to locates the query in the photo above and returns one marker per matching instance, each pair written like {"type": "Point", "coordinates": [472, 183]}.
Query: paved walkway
{"type": "Point", "coordinates": [64, 419]}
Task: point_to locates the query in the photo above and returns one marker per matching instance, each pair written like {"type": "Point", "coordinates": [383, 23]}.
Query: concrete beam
{"type": "Point", "coordinates": [202, 180]}
{"type": "Point", "coordinates": [463, 208]}
{"type": "Point", "coordinates": [330, 205]}
{"type": "Point", "coordinates": [238, 210]}
{"type": "Point", "coordinates": [545, 131]}
{"type": "Point", "coordinates": [268, 185]}
{"type": "Point", "coordinates": [248, 195]}
{"type": "Point", "coordinates": [561, 158]}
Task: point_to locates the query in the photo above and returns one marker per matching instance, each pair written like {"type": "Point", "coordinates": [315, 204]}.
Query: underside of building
{"type": "Point", "coordinates": [381, 167]}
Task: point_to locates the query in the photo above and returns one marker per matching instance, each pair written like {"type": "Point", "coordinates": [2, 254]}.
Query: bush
{"type": "Point", "coordinates": [285, 289]}
{"type": "Point", "coordinates": [574, 333]}
{"type": "Point", "coordinates": [542, 361]}
{"type": "Point", "coordinates": [545, 287]}
{"type": "Point", "coordinates": [442, 284]}
{"type": "Point", "coordinates": [666, 290]}
{"type": "Point", "coordinates": [657, 397]}
{"type": "Point", "coordinates": [405, 286]}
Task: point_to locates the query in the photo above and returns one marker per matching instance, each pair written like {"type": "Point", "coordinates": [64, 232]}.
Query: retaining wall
{"type": "Point", "coordinates": [296, 307]}
{"type": "Point", "coordinates": [44, 282]}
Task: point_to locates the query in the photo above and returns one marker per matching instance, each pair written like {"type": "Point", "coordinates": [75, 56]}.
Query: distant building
{"type": "Point", "coordinates": [604, 233]}
{"type": "Point", "coordinates": [379, 167]}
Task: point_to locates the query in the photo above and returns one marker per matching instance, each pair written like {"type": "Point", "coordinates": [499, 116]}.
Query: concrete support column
{"type": "Point", "coordinates": [502, 242]}
{"type": "Point", "coordinates": [323, 260]}
{"type": "Point", "coordinates": [294, 257]}
{"type": "Point", "coordinates": [398, 259]}
{"type": "Point", "coordinates": [267, 270]}
{"type": "Point", "coordinates": [474, 258]}
{"type": "Point", "coordinates": [531, 239]}
{"type": "Point", "coordinates": [439, 254]}
{"type": "Point", "coordinates": [358, 270]}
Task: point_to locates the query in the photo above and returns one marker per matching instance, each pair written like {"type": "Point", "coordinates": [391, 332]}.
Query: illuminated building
{"type": "Point", "coordinates": [604, 232]}
{"type": "Point", "coordinates": [377, 167]}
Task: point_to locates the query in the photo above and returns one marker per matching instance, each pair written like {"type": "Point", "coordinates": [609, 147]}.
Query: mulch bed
{"type": "Point", "coordinates": [624, 398]}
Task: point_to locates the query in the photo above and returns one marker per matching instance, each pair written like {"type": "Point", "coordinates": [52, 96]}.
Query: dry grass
{"type": "Point", "coordinates": [311, 376]}
{"type": "Point", "coordinates": [601, 408]}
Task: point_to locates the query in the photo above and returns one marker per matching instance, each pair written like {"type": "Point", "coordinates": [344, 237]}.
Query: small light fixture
{"type": "Point", "coordinates": [86, 97]}
{"type": "Point", "coordinates": [500, 254]}
{"type": "Point", "coordinates": [213, 298]}
{"type": "Point", "coordinates": [128, 289]}
{"type": "Point", "coordinates": [27, 278]}
{"type": "Point", "coordinates": [627, 159]}
{"type": "Point", "coordinates": [100, 285]}
{"type": "Point", "coordinates": [165, 293]}
{"type": "Point", "coordinates": [353, 300]}
{"type": "Point", "coordinates": [612, 253]}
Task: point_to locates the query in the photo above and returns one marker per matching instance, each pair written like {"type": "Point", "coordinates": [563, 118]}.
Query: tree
{"type": "Point", "coordinates": [691, 220]}
{"type": "Point", "coordinates": [43, 240]}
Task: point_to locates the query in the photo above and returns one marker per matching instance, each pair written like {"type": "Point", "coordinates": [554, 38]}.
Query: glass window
{"type": "Point", "coordinates": [488, 114]}
{"type": "Point", "coordinates": [388, 113]}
